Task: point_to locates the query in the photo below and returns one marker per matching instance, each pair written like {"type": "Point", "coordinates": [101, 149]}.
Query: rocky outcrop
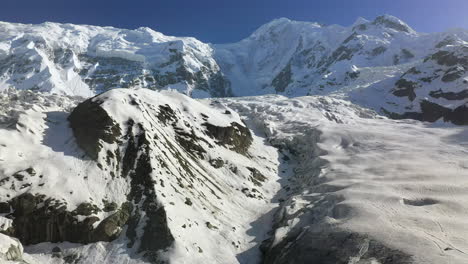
{"type": "Point", "coordinates": [431, 112]}
{"type": "Point", "coordinates": [283, 79]}
{"type": "Point", "coordinates": [405, 88]}
{"type": "Point", "coordinates": [91, 124]}
{"type": "Point", "coordinates": [392, 22]}
{"type": "Point", "coordinates": [332, 247]}
{"type": "Point", "coordinates": [38, 219]}
{"type": "Point", "coordinates": [235, 137]}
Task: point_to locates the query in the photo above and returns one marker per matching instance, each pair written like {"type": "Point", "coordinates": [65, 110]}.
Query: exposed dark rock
{"type": "Point", "coordinates": [453, 74]}
{"type": "Point", "coordinates": [383, 20]}
{"type": "Point", "coordinates": [109, 206]}
{"type": "Point", "coordinates": [110, 228]}
{"type": "Point", "coordinates": [5, 208]}
{"type": "Point", "coordinates": [256, 176]}
{"type": "Point", "coordinates": [458, 116]}
{"type": "Point", "coordinates": [236, 137]}
{"type": "Point", "coordinates": [118, 72]}
{"type": "Point", "coordinates": [351, 37]}
{"type": "Point", "coordinates": [20, 175]}
{"type": "Point", "coordinates": [360, 27]}
{"type": "Point", "coordinates": [431, 112]}
{"type": "Point", "coordinates": [39, 219]}
{"type": "Point", "coordinates": [135, 165]}
{"type": "Point", "coordinates": [190, 142]}
{"type": "Point", "coordinates": [331, 247]}
{"type": "Point", "coordinates": [217, 163]}
{"type": "Point", "coordinates": [72, 259]}
{"type": "Point", "coordinates": [447, 58]}
{"type": "Point", "coordinates": [210, 226]}
{"type": "Point", "coordinates": [405, 88]}
{"type": "Point", "coordinates": [407, 54]}
{"type": "Point", "coordinates": [353, 75]}
{"type": "Point", "coordinates": [86, 209]}
{"type": "Point", "coordinates": [166, 115]}
{"type": "Point", "coordinates": [283, 79]}
{"type": "Point", "coordinates": [377, 51]}
{"type": "Point", "coordinates": [156, 233]}
{"type": "Point", "coordinates": [91, 124]}
{"type": "Point", "coordinates": [450, 95]}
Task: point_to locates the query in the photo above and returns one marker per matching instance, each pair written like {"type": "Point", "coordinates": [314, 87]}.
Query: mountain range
{"type": "Point", "coordinates": [382, 64]}
{"type": "Point", "coordinates": [303, 143]}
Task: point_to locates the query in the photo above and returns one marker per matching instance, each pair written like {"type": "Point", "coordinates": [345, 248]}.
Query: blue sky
{"type": "Point", "coordinates": [224, 21]}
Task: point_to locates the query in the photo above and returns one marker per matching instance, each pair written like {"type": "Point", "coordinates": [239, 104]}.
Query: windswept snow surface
{"type": "Point", "coordinates": [401, 183]}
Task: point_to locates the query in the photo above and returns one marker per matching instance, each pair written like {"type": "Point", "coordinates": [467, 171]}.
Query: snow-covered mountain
{"type": "Point", "coordinates": [296, 152]}
{"type": "Point", "coordinates": [365, 63]}
{"type": "Point", "coordinates": [139, 176]}
{"type": "Point", "coordinates": [383, 64]}
{"type": "Point", "coordinates": [84, 60]}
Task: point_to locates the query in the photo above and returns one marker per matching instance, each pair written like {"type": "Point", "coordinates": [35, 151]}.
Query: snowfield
{"type": "Point", "coordinates": [395, 189]}
{"type": "Point", "coordinates": [401, 184]}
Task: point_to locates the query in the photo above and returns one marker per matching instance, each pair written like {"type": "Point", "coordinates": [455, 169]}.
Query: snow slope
{"type": "Point", "coordinates": [333, 182]}
{"type": "Point", "coordinates": [201, 192]}
{"type": "Point", "coordinates": [366, 189]}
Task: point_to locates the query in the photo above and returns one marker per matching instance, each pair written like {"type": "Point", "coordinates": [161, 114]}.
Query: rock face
{"type": "Point", "coordinates": [39, 219]}
{"type": "Point", "coordinates": [235, 136]}
{"type": "Point", "coordinates": [436, 87]}
{"type": "Point", "coordinates": [337, 247]}
{"type": "Point", "coordinates": [91, 124]}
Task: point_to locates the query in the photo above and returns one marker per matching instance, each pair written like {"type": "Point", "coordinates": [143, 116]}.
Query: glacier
{"type": "Point", "coordinates": [303, 143]}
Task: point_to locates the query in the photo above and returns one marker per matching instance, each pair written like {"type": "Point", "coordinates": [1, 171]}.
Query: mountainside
{"type": "Point", "coordinates": [139, 176]}
{"type": "Point", "coordinates": [299, 144]}
{"type": "Point", "coordinates": [152, 171]}
{"type": "Point", "coordinates": [383, 64]}
{"type": "Point", "coordinates": [85, 60]}
{"type": "Point", "coordinates": [365, 63]}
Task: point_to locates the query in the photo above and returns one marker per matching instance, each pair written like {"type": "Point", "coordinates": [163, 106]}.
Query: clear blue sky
{"type": "Point", "coordinates": [221, 21]}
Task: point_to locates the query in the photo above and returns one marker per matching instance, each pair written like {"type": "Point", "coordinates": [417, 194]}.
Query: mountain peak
{"type": "Point", "coordinates": [360, 21]}
{"type": "Point", "coordinates": [392, 22]}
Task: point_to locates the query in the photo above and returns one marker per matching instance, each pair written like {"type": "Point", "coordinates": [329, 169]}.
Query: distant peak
{"type": "Point", "coordinates": [393, 23]}
{"type": "Point", "coordinates": [278, 21]}
{"type": "Point", "coordinates": [360, 21]}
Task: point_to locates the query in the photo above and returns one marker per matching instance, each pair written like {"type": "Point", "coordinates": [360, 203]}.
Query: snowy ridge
{"type": "Point", "coordinates": [84, 60]}
{"type": "Point", "coordinates": [363, 62]}
{"type": "Point", "coordinates": [202, 185]}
